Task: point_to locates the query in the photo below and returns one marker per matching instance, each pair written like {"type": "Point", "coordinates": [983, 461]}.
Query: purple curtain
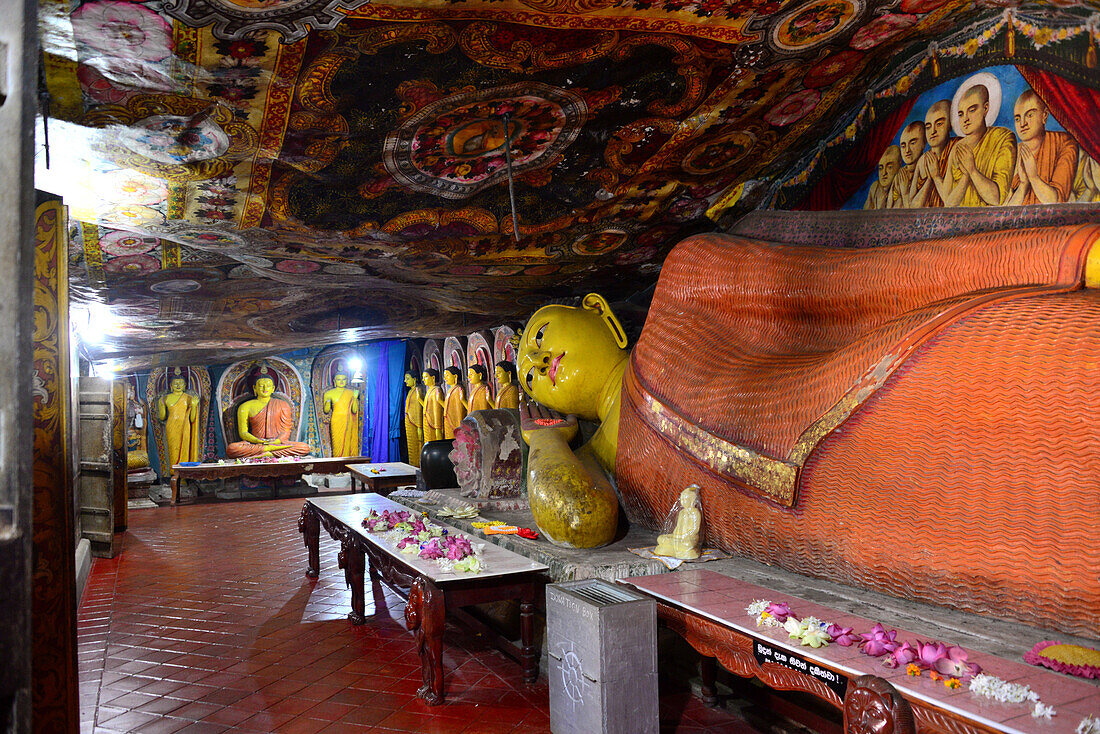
{"type": "Point", "coordinates": [383, 365]}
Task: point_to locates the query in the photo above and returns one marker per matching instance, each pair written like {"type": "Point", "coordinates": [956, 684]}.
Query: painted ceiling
{"type": "Point", "coordinates": [262, 175]}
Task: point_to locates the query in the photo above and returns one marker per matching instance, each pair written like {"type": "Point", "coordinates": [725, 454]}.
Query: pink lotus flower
{"type": "Point", "coordinates": [902, 655]}
{"type": "Point", "coordinates": [929, 653]}
{"type": "Point", "coordinates": [779, 610]}
{"type": "Point", "coordinates": [954, 664]}
{"type": "Point", "coordinates": [842, 635]}
{"type": "Point", "coordinates": [878, 641]}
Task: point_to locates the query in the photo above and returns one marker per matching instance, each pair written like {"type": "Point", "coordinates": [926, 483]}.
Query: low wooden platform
{"type": "Point", "coordinates": [708, 610]}
{"type": "Point", "coordinates": [272, 470]}
{"type": "Point", "coordinates": [383, 477]}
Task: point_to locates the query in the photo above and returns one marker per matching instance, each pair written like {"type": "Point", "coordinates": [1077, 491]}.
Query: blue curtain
{"type": "Point", "coordinates": [383, 364]}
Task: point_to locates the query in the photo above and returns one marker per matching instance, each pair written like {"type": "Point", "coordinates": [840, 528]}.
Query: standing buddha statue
{"type": "Point", "coordinates": [455, 409]}
{"type": "Point", "coordinates": [508, 397]}
{"type": "Point", "coordinates": [341, 405]}
{"type": "Point", "coordinates": [414, 419]}
{"type": "Point", "coordinates": [180, 412]}
{"type": "Point", "coordinates": [433, 406]}
{"type": "Point", "coordinates": [480, 398]}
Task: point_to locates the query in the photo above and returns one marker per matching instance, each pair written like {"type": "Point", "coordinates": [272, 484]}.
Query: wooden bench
{"type": "Point", "coordinates": [708, 610]}
{"type": "Point", "coordinates": [432, 593]}
{"type": "Point", "coordinates": [382, 478]}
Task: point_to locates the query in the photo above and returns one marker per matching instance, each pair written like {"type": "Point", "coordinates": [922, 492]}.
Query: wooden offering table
{"type": "Point", "coordinates": [432, 593]}
{"type": "Point", "coordinates": [382, 478]}
{"type": "Point", "coordinates": [272, 470]}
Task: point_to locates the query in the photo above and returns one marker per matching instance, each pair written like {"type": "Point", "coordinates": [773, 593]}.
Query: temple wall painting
{"type": "Point", "coordinates": [1015, 141]}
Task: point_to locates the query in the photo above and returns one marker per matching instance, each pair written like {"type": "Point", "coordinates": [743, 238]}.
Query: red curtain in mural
{"type": "Point", "coordinates": [851, 171]}
{"type": "Point", "coordinates": [1077, 108]}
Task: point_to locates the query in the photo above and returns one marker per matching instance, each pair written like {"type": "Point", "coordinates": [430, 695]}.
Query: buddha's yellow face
{"type": "Point", "coordinates": [264, 387]}
{"type": "Point", "coordinates": [450, 378]}
{"type": "Point", "coordinates": [410, 381]}
{"type": "Point", "coordinates": [177, 385]}
{"type": "Point", "coordinates": [567, 353]}
{"type": "Point", "coordinates": [340, 381]}
{"type": "Point", "coordinates": [503, 378]}
{"type": "Point", "coordinates": [428, 379]}
{"type": "Point", "coordinates": [474, 376]}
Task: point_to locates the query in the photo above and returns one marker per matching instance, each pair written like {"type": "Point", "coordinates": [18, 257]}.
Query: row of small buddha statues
{"type": "Point", "coordinates": [436, 414]}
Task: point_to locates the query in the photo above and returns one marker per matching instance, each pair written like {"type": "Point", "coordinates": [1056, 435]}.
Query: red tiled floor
{"type": "Point", "coordinates": [206, 623]}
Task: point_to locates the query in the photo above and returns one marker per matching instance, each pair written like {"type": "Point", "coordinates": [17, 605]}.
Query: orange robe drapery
{"type": "Point", "coordinates": [509, 396]}
{"type": "Point", "coordinates": [433, 414]}
{"type": "Point", "coordinates": [414, 420]}
{"type": "Point", "coordinates": [479, 398]}
{"type": "Point", "coordinates": [345, 425]}
{"type": "Point", "coordinates": [275, 421]}
{"type": "Point", "coordinates": [1056, 163]}
{"type": "Point", "coordinates": [453, 411]}
{"type": "Point", "coordinates": [180, 434]}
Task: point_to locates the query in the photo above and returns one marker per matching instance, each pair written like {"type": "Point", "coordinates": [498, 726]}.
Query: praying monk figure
{"type": "Point", "coordinates": [982, 161]}
{"type": "Point", "coordinates": [455, 408]}
{"type": "Point", "coordinates": [341, 404]}
{"type": "Point", "coordinates": [888, 166]}
{"type": "Point", "coordinates": [685, 539]}
{"type": "Point", "coordinates": [433, 406]}
{"type": "Point", "coordinates": [1046, 160]}
{"type": "Point", "coordinates": [180, 412]}
{"type": "Point", "coordinates": [264, 424]}
{"type": "Point", "coordinates": [480, 399]}
{"type": "Point", "coordinates": [508, 397]}
{"type": "Point", "coordinates": [414, 419]}
{"type": "Point", "coordinates": [937, 133]}
{"type": "Point", "coordinates": [907, 183]}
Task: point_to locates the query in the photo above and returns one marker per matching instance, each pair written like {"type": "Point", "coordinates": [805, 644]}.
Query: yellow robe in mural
{"type": "Point", "coordinates": [454, 411]}
{"type": "Point", "coordinates": [344, 425]}
{"type": "Point", "coordinates": [433, 414]}
{"type": "Point", "coordinates": [414, 425]}
{"type": "Point", "coordinates": [995, 158]}
{"type": "Point", "coordinates": [181, 435]}
{"type": "Point", "coordinates": [1056, 163]}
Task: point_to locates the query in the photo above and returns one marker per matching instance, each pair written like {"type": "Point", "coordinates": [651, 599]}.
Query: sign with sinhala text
{"type": "Point", "coordinates": [765, 653]}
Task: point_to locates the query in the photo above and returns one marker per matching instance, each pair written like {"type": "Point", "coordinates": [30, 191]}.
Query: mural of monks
{"type": "Point", "coordinates": [888, 166]}
{"type": "Point", "coordinates": [1046, 160]}
{"type": "Point", "coordinates": [937, 134]}
{"type": "Point", "coordinates": [907, 183]}
{"type": "Point", "coordinates": [983, 163]}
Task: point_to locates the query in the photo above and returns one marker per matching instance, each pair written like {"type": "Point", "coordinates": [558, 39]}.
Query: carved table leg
{"type": "Point", "coordinates": [425, 615]}
{"type": "Point", "coordinates": [174, 483]}
{"type": "Point", "coordinates": [873, 706]}
{"type": "Point", "coordinates": [353, 561]}
{"type": "Point", "coordinates": [309, 525]}
{"type": "Point", "coordinates": [708, 669]}
{"type": "Point", "coordinates": [529, 654]}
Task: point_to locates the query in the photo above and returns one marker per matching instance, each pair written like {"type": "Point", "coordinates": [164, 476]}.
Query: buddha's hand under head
{"type": "Point", "coordinates": [536, 419]}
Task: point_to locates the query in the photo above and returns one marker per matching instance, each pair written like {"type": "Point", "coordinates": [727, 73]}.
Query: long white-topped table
{"type": "Point", "coordinates": [433, 592]}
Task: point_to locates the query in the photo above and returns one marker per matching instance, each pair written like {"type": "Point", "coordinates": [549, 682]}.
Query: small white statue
{"type": "Point", "coordinates": [685, 539]}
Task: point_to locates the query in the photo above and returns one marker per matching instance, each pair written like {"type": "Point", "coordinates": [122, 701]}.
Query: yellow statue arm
{"type": "Point", "coordinates": [354, 401]}
{"type": "Point", "coordinates": [162, 409]}
{"type": "Point", "coordinates": [326, 406]}
{"type": "Point", "coordinates": [193, 411]}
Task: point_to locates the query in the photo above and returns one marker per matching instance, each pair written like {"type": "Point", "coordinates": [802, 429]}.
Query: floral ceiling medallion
{"type": "Point", "coordinates": [233, 19]}
{"type": "Point", "coordinates": [455, 146]}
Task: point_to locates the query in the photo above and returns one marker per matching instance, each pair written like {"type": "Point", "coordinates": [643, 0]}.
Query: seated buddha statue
{"type": "Point", "coordinates": [454, 409]}
{"type": "Point", "coordinates": [433, 406]}
{"type": "Point", "coordinates": [341, 405]}
{"type": "Point", "coordinates": [480, 399]}
{"type": "Point", "coordinates": [179, 410]}
{"type": "Point", "coordinates": [685, 539]}
{"type": "Point", "coordinates": [571, 360]}
{"type": "Point", "coordinates": [264, 424]}
{"type": "Point", "coordinates": [508, 396]}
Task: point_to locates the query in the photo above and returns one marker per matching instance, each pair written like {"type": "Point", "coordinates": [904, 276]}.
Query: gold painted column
{"type": "Point", "coordinates": [53, 601]}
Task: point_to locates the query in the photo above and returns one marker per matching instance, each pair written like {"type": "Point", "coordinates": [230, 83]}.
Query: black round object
{"type": "Point", "coordinates": [436, 466]}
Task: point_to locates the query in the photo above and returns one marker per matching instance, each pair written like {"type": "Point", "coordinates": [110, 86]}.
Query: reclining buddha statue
{"type": "Point", "coordinates": [264, 424]}
{"type": "Point", "coordinates": [917, 418]}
